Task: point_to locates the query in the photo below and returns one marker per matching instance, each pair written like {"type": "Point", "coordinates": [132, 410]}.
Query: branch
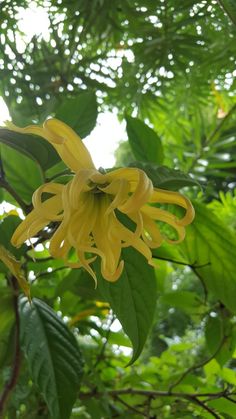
{"type": "Point", "coordinates": [196, 367]}
{"type": "Point", "coordinates": [16, 361]}
{"type": "Point", "coordinates": [178, 262]}
{"type": "Point", "coordinates": [153, 394]}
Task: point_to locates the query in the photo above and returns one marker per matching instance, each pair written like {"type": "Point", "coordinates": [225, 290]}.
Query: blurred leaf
{"type": "Point", "coordinates": [214, 333]}
{"type": "Point", "coordinates": [53, 356]}
{"type": "Point", "coordinates": [185, 300]}
{"type": "Point", "coordinates": [79, 112]}
{"type": "Point", "coordinates": [224, 406]}
{"type": "Point", "coordinates": [6, 323]}
{"type": "Point", "coordinates": [229, 7]}
{"type": "Point", "coordinates": [166, 178]}
{"type": "Point", "coordinates": [144, 141]}
{"type": "Point", "coordinates": [210, 247]}
{"type": "Point", "coordinates": [31, 146]}
{"type": "Point", "coordinates": [133, 298]}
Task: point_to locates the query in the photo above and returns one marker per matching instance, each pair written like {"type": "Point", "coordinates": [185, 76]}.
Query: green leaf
{"type": "Point", "coordinates": [31, 146]}
{"type": "Point", "coordinates": [210, 247]}
{"type": "Point", "coordinates": [166, 178]}
{"type": "Point", "coordinates": [185, 300]}
{"type": "Point", "coordinates": [22, 173]}
{"type": "Point", "coordinates": [80, 113]}
{"type": "Point", "coordinates": [133, 298]}
{"type": "Point", "coordinates": [214, 333]}
{"type": "Point", "coordinates": [229, 7]}
{"type": "Point", "coordinates": [144, 141]}
{"type": "Point", "coordinates": [53, 356]}
{"type": "Point", "coordinates": [6, 323]}
{"type": "Point", "coordinates": [224, 406]}
{"type": "Point", "coordinates": [8, 225]}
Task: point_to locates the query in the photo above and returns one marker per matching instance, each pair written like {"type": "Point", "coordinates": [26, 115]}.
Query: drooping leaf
{"type": "Point", "coordinates": [53, 356]}
{"type": "Point", "coordinates": [31, 146]}
{"type": "Point", "coordinates": [166, 178]}
{"type": "Point", "coordinates": [80, 113]}
{"type": "Point", "coordinates": [144, 141]}
{"type": "Point", "coordinates": [133, 298]}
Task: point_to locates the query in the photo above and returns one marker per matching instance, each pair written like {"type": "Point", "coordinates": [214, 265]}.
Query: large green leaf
{"type": "Point", "coordinates": [210, 247]}
{"type": "Point", "coordinates": [53, 356]}
{"type": "Point", "coordinates": [144, 141]}
{"type": "Point", "coordinates": [22, 173]}
{"type": "Point", "coordinates": [79, 112]}
{"type": "Point", "coordinates": [133, 298]}
{"type": "Point", "coordinates": [165, 177]}
{"type": "Point", "coordinates": [34, 147]}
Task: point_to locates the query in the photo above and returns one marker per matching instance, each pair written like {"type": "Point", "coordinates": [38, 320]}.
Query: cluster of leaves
{"type": "Point", "coordinates": [169, 63]}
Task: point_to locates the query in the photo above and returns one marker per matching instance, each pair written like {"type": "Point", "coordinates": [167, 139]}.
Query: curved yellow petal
{"type": "Point", "coordinates": [140, 195]}
{"type": "Point", "coordinates": [29, 227]}
{"type": "Point", "coordinates": [168, 218]}
{"type": "Point", "coordinates": [52, 208]}
{"type": "Point", "coordinates": [169, 197]}
{"type": "Point", "coordinates": [64, 139]}
{"type": "Point", "coordinates": [68, 145]}
{"type": "Point", "coordinates": [154, 238]}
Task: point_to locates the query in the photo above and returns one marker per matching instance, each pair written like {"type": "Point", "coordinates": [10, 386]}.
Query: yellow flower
{"type": "Point", "coordinates": [85, 209]}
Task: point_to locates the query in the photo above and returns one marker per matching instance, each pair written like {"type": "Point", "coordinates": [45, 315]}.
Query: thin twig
{"type": "Point", "coordinates": [152, 393]}
{"type": "Point", "coordinates": [133, 409]}
{"type": "Point", "coordinates": [196, 367]}
{"type": "Point", "coordinates": [16, 361]}
{"type": "Point", "coordinates": [205, 407]}
{"type": "Point", "coordinates": [178, 262]}
{"type": "Point", "coordinates": [101, 355]}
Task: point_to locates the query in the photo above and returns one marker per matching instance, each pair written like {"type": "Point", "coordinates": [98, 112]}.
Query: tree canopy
{"type": "Point", "coordinates": [160, 341]}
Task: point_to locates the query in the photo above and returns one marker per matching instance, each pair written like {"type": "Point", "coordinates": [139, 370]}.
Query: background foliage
{"type": "Point", "coordinates": [168, 69]}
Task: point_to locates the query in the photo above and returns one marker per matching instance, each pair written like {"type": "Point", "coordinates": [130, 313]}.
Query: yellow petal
{"type": "Point", "coordinates": [51, 209]}
{"type": "Point", "coordinates": [15, 267]}
{"type": "Point", "coordinates": [170, 197]}
{"type": "Point", "coordinates": [153, 231]}
{"type": "Point", "coordinates": [166, 217]}
{"type": "Point", "coordinates": [29, 227]}
{"type": "Point", "coordinates": [140, 195]}
{"type": "Point", "coordinates": [66, 142]}
{"type": "Point", "coordinates": [120, 188]}
{"type": "Point", "coordinates": [79, 184]}
{"type": "Point", "coordinates": [107, 242]}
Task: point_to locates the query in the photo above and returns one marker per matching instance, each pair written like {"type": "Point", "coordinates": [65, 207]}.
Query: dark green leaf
{"type": "Point", "coordinates": [80, 113]}
{"type": "Point", "coordinates": [53, 356]}
{"type": "Point", "coordinates": [33, 147]}
{"type": "Point", "coordinates": [144, 141]}
{"type": "Point", "coordinates": [22, 173]}
{"type": "Point", "coordinates": [133, 298]}
{"type": "Point", "coordinates": [166, 178]}
{"type": "Point", "coordinates": [8, 225]}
